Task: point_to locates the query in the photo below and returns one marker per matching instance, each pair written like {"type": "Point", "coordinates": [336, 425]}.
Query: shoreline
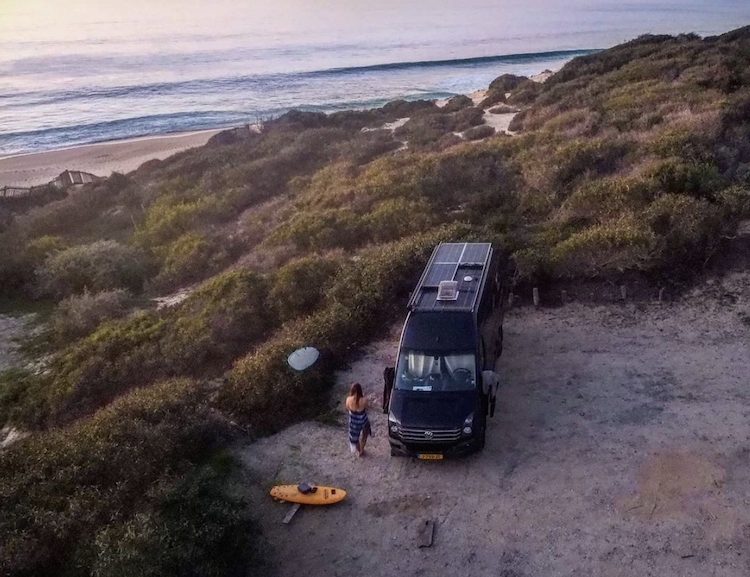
{"type": "Point", "coordinates": [101, 159]}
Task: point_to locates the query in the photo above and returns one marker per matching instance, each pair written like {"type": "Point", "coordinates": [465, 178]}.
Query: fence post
{"type": "Point", "coordinates": [535, 293]}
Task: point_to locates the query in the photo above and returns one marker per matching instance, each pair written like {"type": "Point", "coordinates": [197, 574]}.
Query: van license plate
{"type": "Point", "coordinates": [430, 456]}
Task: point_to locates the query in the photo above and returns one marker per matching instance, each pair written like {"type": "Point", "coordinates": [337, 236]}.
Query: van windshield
{"type": "Point", "coordinates": [423, 371]}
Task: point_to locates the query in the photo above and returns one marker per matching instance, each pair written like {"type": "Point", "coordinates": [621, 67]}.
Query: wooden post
{"type": "Point", "coordinates": [623, 292]}
{"type": "Point", "coordinates": [535, 294]}
{"type": "Point", "coordinates": [564, 296]}
{"type": "Point", "coordinates": [661, 294]}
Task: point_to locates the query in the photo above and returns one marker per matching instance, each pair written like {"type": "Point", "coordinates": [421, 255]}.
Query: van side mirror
{"type": "Point", "coordinates": [389, 376]}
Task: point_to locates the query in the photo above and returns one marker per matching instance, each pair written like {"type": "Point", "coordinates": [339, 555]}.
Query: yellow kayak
{"type": "Point", "coordinates": [317, 496]}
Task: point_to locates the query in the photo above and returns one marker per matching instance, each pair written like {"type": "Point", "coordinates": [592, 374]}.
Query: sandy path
{"type": "Point", "coordinates": [12, 328]}
{"type": "Point", "coordinates": [620, 447]}
{"type": "Point", "coordinates": [100, 159]}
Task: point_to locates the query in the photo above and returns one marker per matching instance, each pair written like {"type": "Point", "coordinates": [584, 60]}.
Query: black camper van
{"type": "Point", "coordinates": [443, 385]}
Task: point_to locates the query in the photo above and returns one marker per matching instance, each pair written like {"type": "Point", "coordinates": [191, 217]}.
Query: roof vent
{"type": "Point", "coordinates": [447, 290]}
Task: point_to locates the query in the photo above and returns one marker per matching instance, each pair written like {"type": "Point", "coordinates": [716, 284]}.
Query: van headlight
{"type": "Point", "coordinates": [394, 425]}
{"type": "Point", "coordinates": [468, 423]}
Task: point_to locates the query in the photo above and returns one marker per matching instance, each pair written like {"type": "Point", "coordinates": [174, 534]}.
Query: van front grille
{"type": "Point", "coordinates": [429, 435]}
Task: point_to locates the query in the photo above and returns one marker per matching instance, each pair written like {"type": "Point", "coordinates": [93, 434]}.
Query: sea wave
{"type": "Point", "coordinates": [54, 118]}
{"type": "Point", "coordinates": [269, 81]}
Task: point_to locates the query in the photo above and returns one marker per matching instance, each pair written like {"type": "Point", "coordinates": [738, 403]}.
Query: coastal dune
{"type": "Point", "coordinates": [100, 159]}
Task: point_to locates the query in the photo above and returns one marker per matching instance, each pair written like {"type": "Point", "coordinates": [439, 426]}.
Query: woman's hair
{"type": "Point", "coordinates": [356, 391]}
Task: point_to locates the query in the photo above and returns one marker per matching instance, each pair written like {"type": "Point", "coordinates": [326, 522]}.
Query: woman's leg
{"type": "Point", "coordinates": [363, 440]}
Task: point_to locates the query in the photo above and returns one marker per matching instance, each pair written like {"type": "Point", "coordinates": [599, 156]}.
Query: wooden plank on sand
{"type": "Point", "coordinates": [294, 508]}
{"type": "Point", "coordinates": [426, 533]}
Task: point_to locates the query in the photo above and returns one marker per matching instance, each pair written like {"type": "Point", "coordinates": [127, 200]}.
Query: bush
{"type": "Point", "coordinates": [457, 103]}
{"type": "Point", "coordinates": [299, 286]}
{"type": "Point", "coordinates": [367, 146]}
{"type": "Point", "coordinates": [426, 129]}
{"type": "Point", "coordinates": [687, 230]}
{"type": "Point", "coordinates": [101, 265]}
{"type": "Point", "coordinates": [606, 199]}
{"type": "Point", "coordinates": [192, 257]}
{"type": "Point", "coordinates": [324, 229]}
{"type": "Point", "coordinates": [700, 180]}
{"type": "Point", "coordinates": [479, 132]}
{"type": "Point", "coordinates": [604, 248]}
{"type": "Point", "coordinates": [66, 494]}
{"type": "Point", "coordinates": [191, 526]}
{"type": "Point", "coordinates": [503, 109]}
{"type": "Point", "coordinates": [173, 216]}
{"type": "Point", "coordinates": [501, 86]}
{"type": "Point", "coordinates": [39, 249]}
{"type": "Point", "coordinates": [198, 337]}
{"type": "Point", "coordinates": [397, 218]}
{"type": "Point", "coordinates": [78, 315]}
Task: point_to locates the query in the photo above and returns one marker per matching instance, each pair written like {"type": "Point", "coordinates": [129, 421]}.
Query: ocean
{"type": "Point", "coordinates": [76, 71]}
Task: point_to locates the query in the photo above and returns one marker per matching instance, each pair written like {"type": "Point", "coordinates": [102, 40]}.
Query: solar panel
{"type": "Point", "coordinates": [439, 272]}
{"type": "Point", "coordinates": [448, 252]}
{"type": "Point", "coordinates": [453, 262]}
{"type": "Point", "coordinates": [475, 253]}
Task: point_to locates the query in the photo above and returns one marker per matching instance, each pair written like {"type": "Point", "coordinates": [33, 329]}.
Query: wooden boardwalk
{"type": "Point", "coordinates": [62, 181]}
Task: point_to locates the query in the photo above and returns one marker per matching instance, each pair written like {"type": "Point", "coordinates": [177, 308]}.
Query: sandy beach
{"type": "Point", "coordinates": [100, 159]}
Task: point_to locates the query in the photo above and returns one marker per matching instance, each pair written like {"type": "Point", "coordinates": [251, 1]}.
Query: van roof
{"type": "Point", "coordinates": [463, 263]}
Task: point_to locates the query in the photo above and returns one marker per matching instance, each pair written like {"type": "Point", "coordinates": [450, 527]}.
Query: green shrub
{"type": "Point", "coordinates": [217, 322]}
{"type": "Point", "coordinates": [192, 257]}
{"type": "Point", "coordinates": [39, 249]}
{"type": "Point", "coordinates": [367, 146]}
{"type": "Point", "coordinates": [426, 129]}
{"type": "Point", "coordinates": [101, 265]}
{"type": "Point", "coordinates": [325, 229]}
{"type": "Point", "coordinates": [687, 230]}
{"type": "Point", "coordinates": [503, 109]}
{"type": "Point", "coordinates": [479, 132]}
{"type": "Point", "coordinates": [457, 103]}
{"type": "Point", "coordinates": [572, 161]}
{"type": "Point", "coordinates": [300, 285]}
{"type": "Point", "coordinates": [78, 315]}
{"type": "Point", "coordinates": [64, 492]}
{"type": "Point", "coordinates": [200, 336]}
{"type": "Point", "coordinates": [606, 199]}
{"type": "Point", "coordinates": [499, 87]}
{"type": "Point", "coordinates": [21, 397]}
{"type": "Point", "coordinates": [191, 526]}
{"type": "Point", "coordinates": [397, 218]}
{"type": "Point", "coordinates": [171, 217]}
{"type": "Point", "coordinates": [15, 270]}
{"type": "Point", "coordinates": [700, 180]}
{"type": "Point", "coordinates": [604, 248]}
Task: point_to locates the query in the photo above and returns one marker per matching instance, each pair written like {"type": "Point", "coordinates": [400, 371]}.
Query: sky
{"type": "Point", "coordinates": [33, 21]}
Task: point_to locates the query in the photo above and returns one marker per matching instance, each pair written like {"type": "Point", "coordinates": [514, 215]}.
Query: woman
{"type": "Point", "coordinates": [359, 424]}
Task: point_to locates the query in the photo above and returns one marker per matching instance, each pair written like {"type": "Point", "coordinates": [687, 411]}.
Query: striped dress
{"type": "Point", "coordinates": [357, 423]}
